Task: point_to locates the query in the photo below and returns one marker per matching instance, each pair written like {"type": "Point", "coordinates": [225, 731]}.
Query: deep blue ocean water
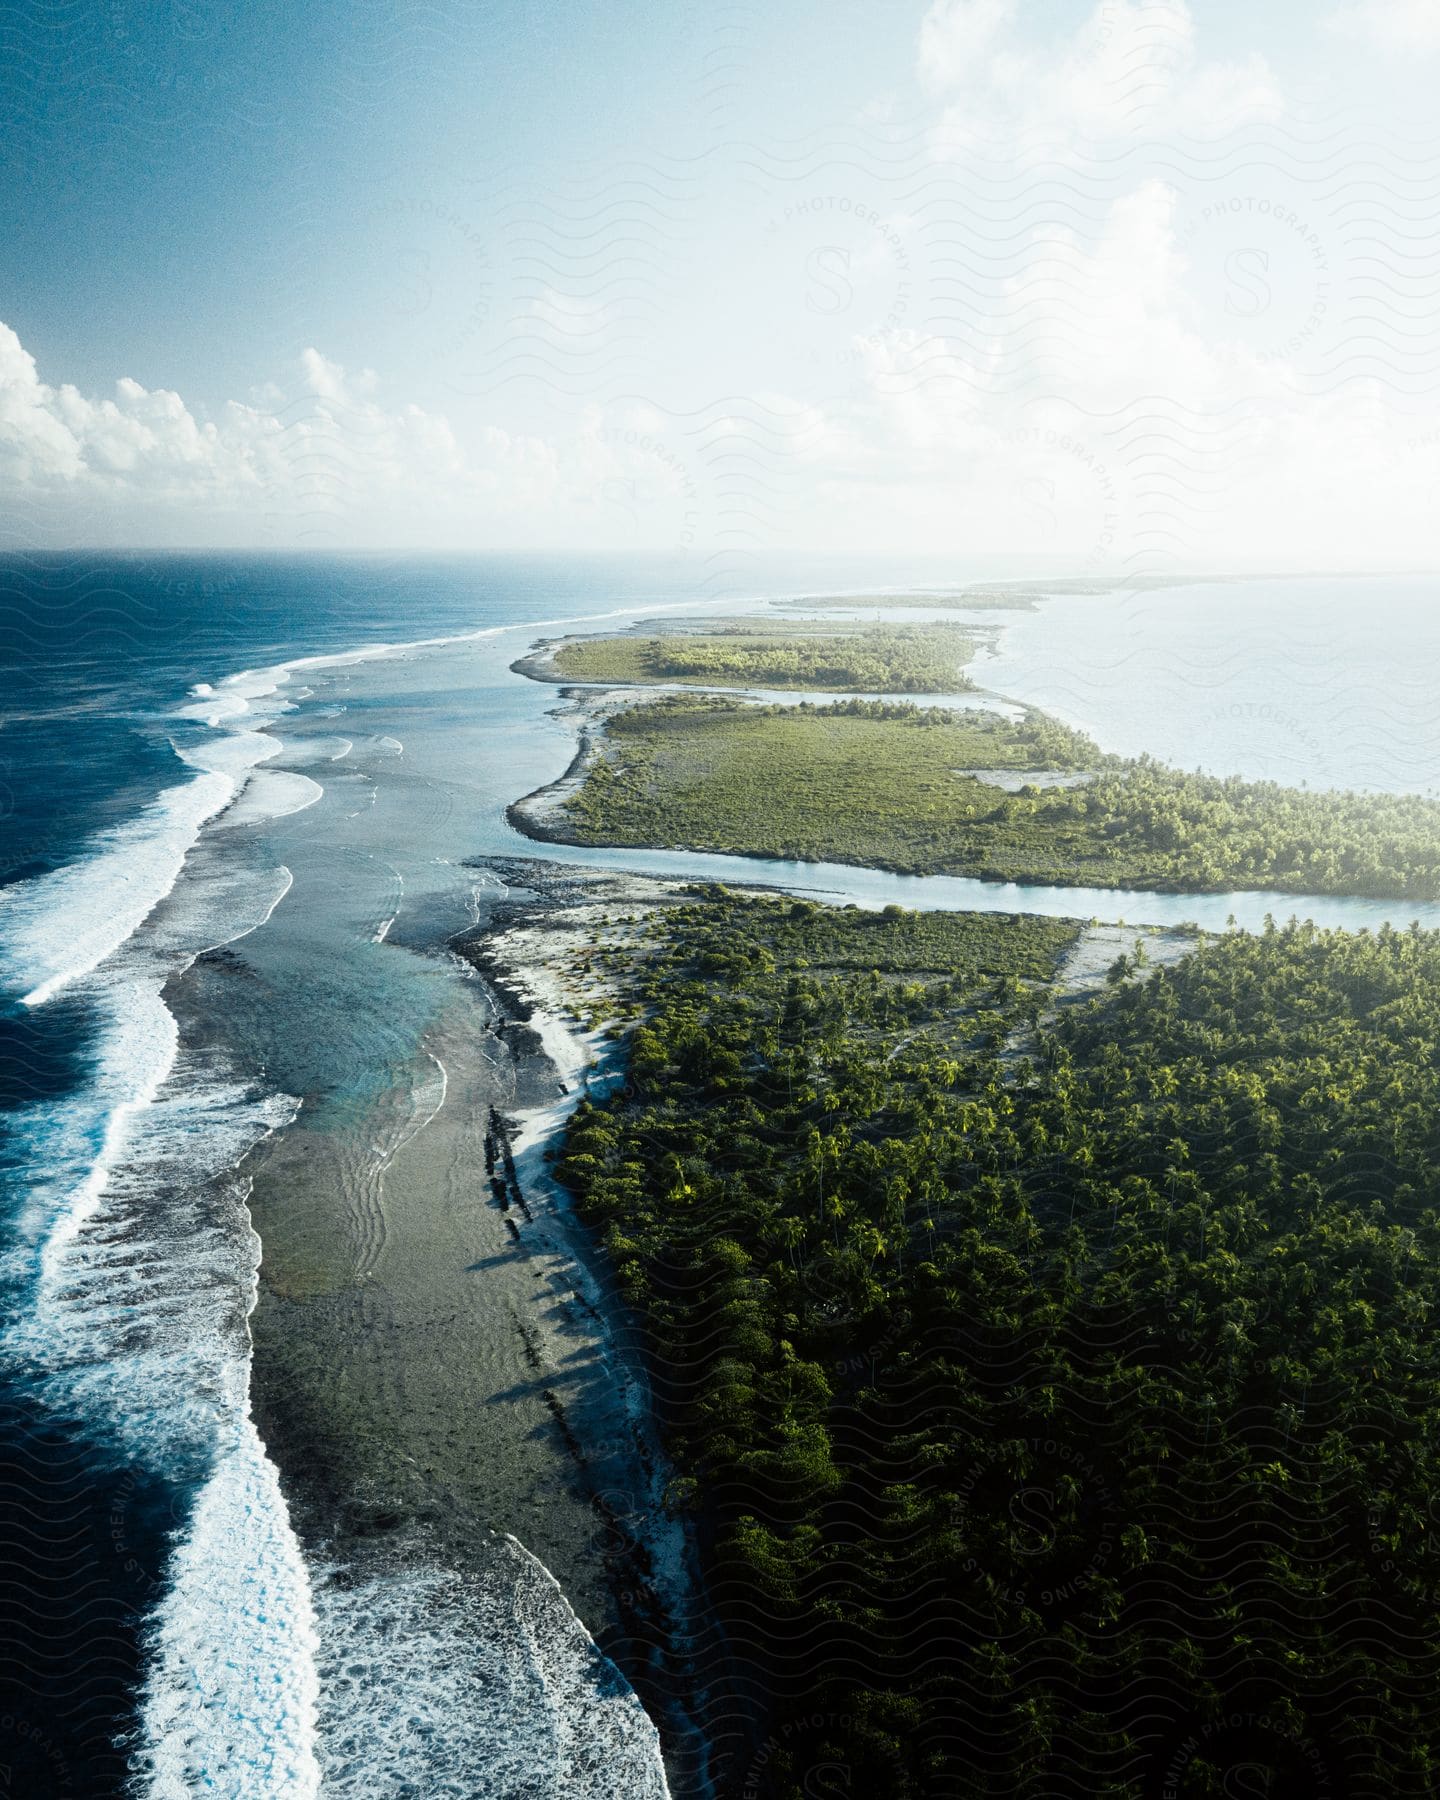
{"type": "Point", "coordinates": [94, 653]}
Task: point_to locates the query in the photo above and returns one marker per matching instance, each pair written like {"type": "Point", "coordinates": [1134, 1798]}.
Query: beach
{"type": "Point", "coordinates": [540, 813]}
{"type": "Point", "coordinates": [438, 1366]}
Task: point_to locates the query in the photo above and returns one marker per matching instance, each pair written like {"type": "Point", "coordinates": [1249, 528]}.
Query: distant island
{"type": "Point", "coordinates": [903, 659]}
{"type": "Point", "coordinates": [930, 790]}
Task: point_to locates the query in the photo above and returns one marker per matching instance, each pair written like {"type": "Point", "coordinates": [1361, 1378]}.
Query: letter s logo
{"type": "Point", "coordinates": [1033, 1514]}
{"type": "Point", "coordinates": [1249, 1781]}
{"type": "Point", "coordinates": [833, 1780]}
{"type": "Point", "coordinates": [831, 289]}
{"type": "Point", "coordinates": [1248, 293]}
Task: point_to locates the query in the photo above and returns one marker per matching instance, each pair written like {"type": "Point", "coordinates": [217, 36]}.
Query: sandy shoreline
{"type": "Point", "coordinates": [545, 957]}
{"type": "Point", "coordinates": [454, 1370]}
{"type": "Point", "coordinates": [537, 814]}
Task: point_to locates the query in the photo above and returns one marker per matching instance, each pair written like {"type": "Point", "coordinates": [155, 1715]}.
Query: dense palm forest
{"type": "Point", "coordinates": [1056, 1399]}
{"type": "Point", "coordinates": [889, 785]}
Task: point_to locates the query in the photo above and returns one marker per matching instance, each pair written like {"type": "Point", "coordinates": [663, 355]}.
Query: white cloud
{"type": "Point", "coordinates": [36, 441]}
{"type": "Point", "coordinates": [1102, 423]}
{"type": "Point", "coordinates": [955, 38]}
{"type": "Point", "coordinates": [323, 457]}
{"type": "Point", "coordinates": [1131, 68]}
{"type": "Point", "coordinates": [323, 448]}
{"type": "Point", "coordinates": [1395, 26]}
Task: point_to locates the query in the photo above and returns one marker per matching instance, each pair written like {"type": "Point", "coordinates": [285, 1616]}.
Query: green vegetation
{"type": "Point", "coordinates": [1001, 599]}
{"type": "Point", "coordinates": [767, 624]}
{"type": "Point", "coordinates": [1058, 1421]}
{"type": "Point", "coordinates": [880, 784]}
{"type": "Point", "coordinates": [904, 659]}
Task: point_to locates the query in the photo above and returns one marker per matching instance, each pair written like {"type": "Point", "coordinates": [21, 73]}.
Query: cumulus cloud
{"type": "Point", "coordinates": [321, 447]}
{"type": "Point", "coordinates": [1130, 67]}
{"type": "Point", "coordinates": [956, 36]}
{"type": "Point", "coordinates": [1119, 433]}
{"type": "Point", "coordinates": [36, 442]}
{"type": "Point", "coordinates": [1396, 26]}
{"type": "Point", "coordinates": [323, 457]}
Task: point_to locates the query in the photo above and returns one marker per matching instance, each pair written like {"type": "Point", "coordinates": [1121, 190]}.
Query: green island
{"type": "Point", "coordinates": [893, 786]}
{"type": "Point", "coordinates": [997, 599]}
{"type": "Point", "coordinates": [1053, 1388]}
{"type": "Point", "coordinates": [901, 659]}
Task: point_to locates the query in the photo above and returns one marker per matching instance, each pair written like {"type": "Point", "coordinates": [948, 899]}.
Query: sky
{"type": "Point", "coordinates": [1137, 285]}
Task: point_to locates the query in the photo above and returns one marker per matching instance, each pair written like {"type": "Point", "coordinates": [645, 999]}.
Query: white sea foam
{"type": "Point", "coordinates": [230, 1696]}
{"type": "Point", "coordinates": [233, 697]}
{"type": "Point", "coordinates": [61, 925]}
{"type": "Point", "coordinates": [141, 1267]}
{"type": "Point", "coordinates": [284, 880]}
{"type": "Point", "coordinates": [303, 752]}
{"type": "Point", "coordinates": [234, 754]}
{"type": "Point", "coordinates": [137, 1324]}
{"type": "Point", "coordinates": [72, 1147]}
{"type": "Point", "coordinates": [453, 1688]}
{"type": "Point", "coordinates": [271, 794]}
{"type": "Point", "coordinates": [64, 924]}
{"type": "Point", "coordinates": [140, 1048]}
{"type": "Point", "coordinates": [69, 1148]}
{"type": "Point", "coordinates": [58, 927]}
{"type": "Point", "coordinates": [144, 1261]}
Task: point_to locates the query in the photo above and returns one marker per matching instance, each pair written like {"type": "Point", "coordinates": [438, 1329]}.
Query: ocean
{"type": "Point", "coordinates": [237, 828]}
